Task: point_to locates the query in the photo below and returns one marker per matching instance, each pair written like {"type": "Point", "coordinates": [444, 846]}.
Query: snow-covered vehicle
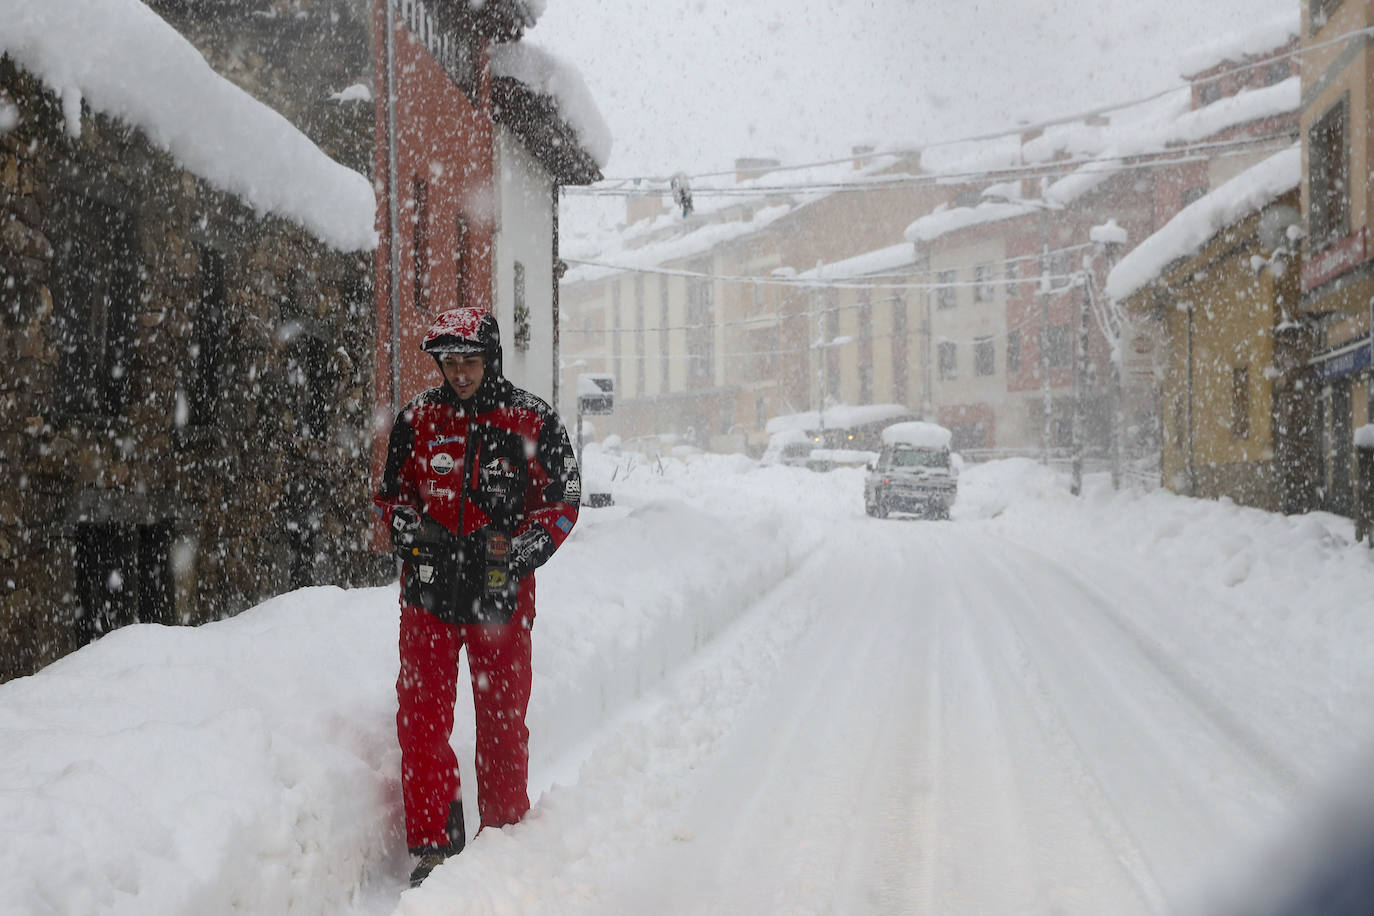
{"type": "Point", "coordinates": [915, 472]}
{"type": "Point", "coordinates": [789, 446]}
{"type": "Point", "coordinates": [828, 459]}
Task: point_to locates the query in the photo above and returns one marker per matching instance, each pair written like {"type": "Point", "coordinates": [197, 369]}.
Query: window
{"type": "Point", "coordinates": [1329, 175]}
{"type": "Point", "coordinates": [520, 315]}
{"type": "Point", "coordinates": [701, 331]}
{"type": "Point", "coordinates": [831, 355]}
{"type": "Point", "coordinates": [1210, 92]}
{"type": "Point", "coordinates": [865, 349]}
{"type": "Point", "coordinates": [123, 576]}
{"type": "Point", "coordinates": [664, 364]}
{"type": "Point", "coordinates": [900, 354]}
{"type": "Point", "coordinates": [640, 356]}
{"type": "Point", "coordinates": [308, 385]}
{"type": "Point", "coordinates": [419, 243]}
{"type": "Point", "coordinates": [984, 356]}
{"type": "Point", "coordinates": [1013, 352]}
{"type": "Point", "coordinates": [1193, 194]}
{"type": "Point", "coordinates": [616, 318]}
{"type": "Point", "coordinates": [1240, 403]}
{"type": "Point", "coordinates": [944, 292]}
{"type": "Point", "coordinates": [95, 289]}
{"type": "Point", "coordinates": [1058, 340]}
{"type": "Point", "coordinates": [948, 360]}
{"type": "Point", "coordinates": [1277, 72]}
{"type": "Point", "coordinates": [982, 283]}
{"type": "Point", "coordinates": [207, 335]}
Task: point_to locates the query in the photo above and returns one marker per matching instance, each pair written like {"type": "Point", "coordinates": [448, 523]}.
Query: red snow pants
{"type": "Point", "coordinates": [499, 662]}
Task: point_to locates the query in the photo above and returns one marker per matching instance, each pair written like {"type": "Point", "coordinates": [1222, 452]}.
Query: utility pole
{"type": "Point", "coordinates": [393, 207]}
{"type": "Point", "coordinates": [1045, 335]}
{"type": "Point", "coordinates": [820, 355]}
{"type": "Point", "coordinates": [927, 371]}
{"type": "Point", "coordinates": [1080, 384]}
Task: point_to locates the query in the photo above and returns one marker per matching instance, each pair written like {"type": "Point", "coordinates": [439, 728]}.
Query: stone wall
{"type": "Point", "coordinates": [184, 391]}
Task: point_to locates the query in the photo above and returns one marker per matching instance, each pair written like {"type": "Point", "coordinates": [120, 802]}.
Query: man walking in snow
{"type": "Point", "coordinates": [481, 486]}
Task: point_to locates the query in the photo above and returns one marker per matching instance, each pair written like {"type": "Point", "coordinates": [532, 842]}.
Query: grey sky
{"type": "Point", "coordinates": [691, 84]}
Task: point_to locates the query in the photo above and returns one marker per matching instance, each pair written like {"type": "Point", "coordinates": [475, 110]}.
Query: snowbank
{"type": "Point", "coordinates": [249, 765]}
{"type": "Point", "coordinates": [126, 62]}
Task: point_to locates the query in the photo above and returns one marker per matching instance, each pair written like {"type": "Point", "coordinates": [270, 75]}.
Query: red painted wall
{"type": "Point", "coordinates": [446, 142]}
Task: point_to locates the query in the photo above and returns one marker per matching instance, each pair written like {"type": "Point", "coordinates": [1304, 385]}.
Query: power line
{"type": "Point", "coordinates": [1262, 60]}
{"type": "Point", "coordinates": [1173, 155]}
{"type": "Point", "coordinates": [818, 283]}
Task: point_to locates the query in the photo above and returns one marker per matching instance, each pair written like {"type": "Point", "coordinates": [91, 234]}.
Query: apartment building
{"type": "Point", "coordinates": [1337, 273]}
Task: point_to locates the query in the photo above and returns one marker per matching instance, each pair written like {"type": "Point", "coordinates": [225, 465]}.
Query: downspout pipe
{"type": "Point", "coordinates": [393, 207]}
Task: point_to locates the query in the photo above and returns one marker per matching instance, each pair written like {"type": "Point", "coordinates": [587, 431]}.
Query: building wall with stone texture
{"type": "Point", "coordinates": [185, 392]}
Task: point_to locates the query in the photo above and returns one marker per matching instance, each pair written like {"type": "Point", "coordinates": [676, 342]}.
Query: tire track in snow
{"type": "Point", "coordinates": [1073, 757]}
{"type": "Point", "coordinates": [1204, 700]}
{"type": "Point", "coordinates": [1213, 773]}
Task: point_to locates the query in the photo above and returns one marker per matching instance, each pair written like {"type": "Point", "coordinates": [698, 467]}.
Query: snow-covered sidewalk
{"type": "Point", "coordinates": [249, 765]}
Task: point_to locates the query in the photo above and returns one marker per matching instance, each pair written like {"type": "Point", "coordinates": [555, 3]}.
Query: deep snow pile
{"type": "Point", "coordinates": [249, 765]}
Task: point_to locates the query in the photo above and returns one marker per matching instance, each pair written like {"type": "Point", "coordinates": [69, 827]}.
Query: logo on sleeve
{"type": "Point", "coordinates": [564, 524]}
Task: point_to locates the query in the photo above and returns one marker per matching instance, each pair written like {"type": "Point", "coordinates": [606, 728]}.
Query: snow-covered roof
{"type": "Point", "coordinates": [944, 219]}
{"type": "Point", "coordinates": [841, 416]}
{"type": "Point", "coordinates": [1266, 35]}
{"type": "Point", "coordinates": [677, 248]}
{"type": "Point", "coordinates": [126, 62]}
{"type": "Point", "coordinates": [718, 218]}
{"type": "Point", "coordinates": [547, 74]}
{"type": "Point", "coordinates": [1191, 228]}
{"type": "Point", "coordinates": [893, 257]}
{"type": "Point", "coordinates": [917, 434]}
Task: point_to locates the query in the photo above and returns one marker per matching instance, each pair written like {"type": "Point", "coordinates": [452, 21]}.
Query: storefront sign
{"type": "Point", "coordinates": [1348, 359]}
{"type": "Point", "coordinates": [1342, 257]}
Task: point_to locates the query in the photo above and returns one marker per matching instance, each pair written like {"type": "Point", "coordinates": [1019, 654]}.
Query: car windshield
{"type": "Point", "coordinates": [919, 458]}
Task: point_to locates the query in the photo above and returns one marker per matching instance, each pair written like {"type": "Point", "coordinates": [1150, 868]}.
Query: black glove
{"type": "Point", "coordinates": [416, 537]}
{"type": "Point", "coordinates": [405, 524]}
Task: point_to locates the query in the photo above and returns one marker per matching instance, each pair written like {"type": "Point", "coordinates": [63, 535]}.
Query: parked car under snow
{"type": "Point", "coordinates": [915, 472]}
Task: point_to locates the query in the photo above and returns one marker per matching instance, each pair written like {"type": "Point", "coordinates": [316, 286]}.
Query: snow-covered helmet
{"type": "Point", "coordinates": [466, 330]}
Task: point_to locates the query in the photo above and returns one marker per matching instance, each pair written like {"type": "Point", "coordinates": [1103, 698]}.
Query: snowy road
{"type": "Point", "coordinates": [929, 718]}
{"type": "Point", "coordinates": [749, 699]}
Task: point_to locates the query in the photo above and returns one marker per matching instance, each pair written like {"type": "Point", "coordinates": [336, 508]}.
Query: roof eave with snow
{"type": "Point", "coordinates": [1193, 226]}
{"type": "Point", "coordinates": [125, 62]}
{"type": "Point", "coordinates": [544, 100]}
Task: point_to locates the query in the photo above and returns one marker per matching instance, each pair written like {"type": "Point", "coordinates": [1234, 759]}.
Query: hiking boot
{"type": "Point", "coordinates": [428, 862]}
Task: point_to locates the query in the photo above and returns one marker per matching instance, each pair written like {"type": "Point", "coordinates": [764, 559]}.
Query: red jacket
{"type": "Point", "coordinates": [497, 482]}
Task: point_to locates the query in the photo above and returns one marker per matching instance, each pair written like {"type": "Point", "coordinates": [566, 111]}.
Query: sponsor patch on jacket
{"type": "Point", "coordinates": [572, 490]}
{"type": "Point", "coordinates": [498, 547]}
{"type": "Point", "coordinates": [564, 524]}
{"type": "Point", "coordinates": [441, 463]}
{"type": "Point", "coordinates": [445, 440]}
{"type": "Point", "coordinates": [498, 467]}
{"type": "Point", "coordinates": [496, 577]}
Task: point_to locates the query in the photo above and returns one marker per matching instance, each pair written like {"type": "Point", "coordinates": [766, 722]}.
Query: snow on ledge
{"type": "Point", "coordinates": [1364, 436]}
{"type": "Point", "coordinates": [1192, 226]}
{"type": "Point", "coordinates": [126, 62]}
